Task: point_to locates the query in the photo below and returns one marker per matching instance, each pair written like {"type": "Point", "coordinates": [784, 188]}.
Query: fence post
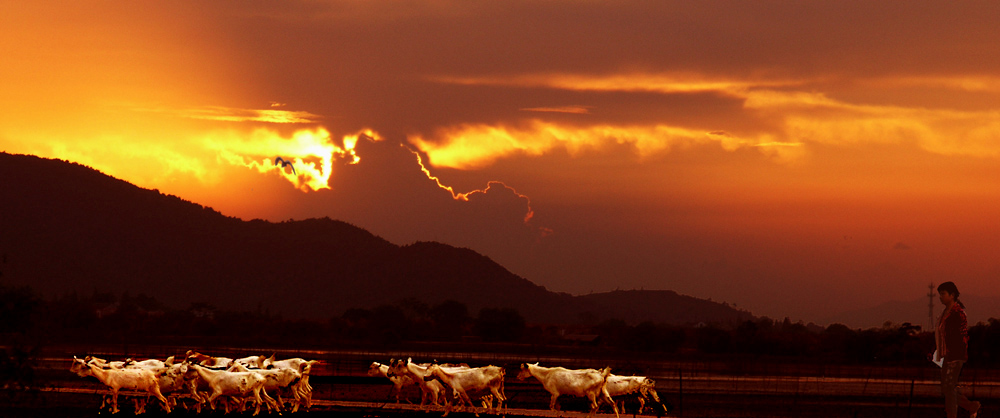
{"type": "Point", "coordinates": [680, 392]}
{"type": "Point", "coordinates": [909, 406]}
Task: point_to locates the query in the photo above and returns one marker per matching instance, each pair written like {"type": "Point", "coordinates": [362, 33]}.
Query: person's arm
{"type": "Point", "coordinates": [939, 334]}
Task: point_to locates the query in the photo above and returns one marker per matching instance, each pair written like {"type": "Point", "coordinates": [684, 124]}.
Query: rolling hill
{"type": "Point", "coordinates": [65, 227]}
{"type": "Point", "coordinates": [915, 311]}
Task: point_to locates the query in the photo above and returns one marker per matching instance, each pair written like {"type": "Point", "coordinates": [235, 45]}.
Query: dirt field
{"type": "Point", "coordinates": [85, 405]}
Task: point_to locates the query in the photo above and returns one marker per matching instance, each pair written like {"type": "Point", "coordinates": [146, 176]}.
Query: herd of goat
{"type": "Point", "coordinates": [203, 379]}
{"type": "Point", "coordinates": [200, 381]}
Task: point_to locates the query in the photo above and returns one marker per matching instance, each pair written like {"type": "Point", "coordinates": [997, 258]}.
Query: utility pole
{"type": "Point", "coordinates": [930, 305]}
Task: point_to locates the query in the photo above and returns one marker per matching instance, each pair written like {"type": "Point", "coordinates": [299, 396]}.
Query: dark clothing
{"type": "Point", "coordinates": [953, 342]}
{"type": "Point", "coordinates": [953, 397]}
{"type": "Point", "coordinates": [955, 334]}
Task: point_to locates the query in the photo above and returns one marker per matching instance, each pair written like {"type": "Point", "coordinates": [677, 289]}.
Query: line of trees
{"type": "Point", "coordinates": [104, 318]}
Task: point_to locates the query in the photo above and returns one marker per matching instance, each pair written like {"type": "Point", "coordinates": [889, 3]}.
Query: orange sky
{"type": "Point", "coordinates": [796, 159]}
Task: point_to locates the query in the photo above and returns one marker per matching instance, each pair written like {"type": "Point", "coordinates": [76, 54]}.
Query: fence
{"type": "Point", "coordinates": [723, 387]}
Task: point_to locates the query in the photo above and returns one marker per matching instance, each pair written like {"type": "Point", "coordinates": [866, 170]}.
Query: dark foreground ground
{"type": "Point", "coordinates": [342, 389]}
{"type": "Point", "coordinates": [57, 404]}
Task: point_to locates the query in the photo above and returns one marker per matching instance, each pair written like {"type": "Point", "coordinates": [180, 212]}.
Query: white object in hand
{"type": "Point", "coordinates": [936, 358]}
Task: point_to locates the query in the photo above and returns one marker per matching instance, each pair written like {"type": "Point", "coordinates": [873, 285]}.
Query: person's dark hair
{"type": "Point", "coordinates": [948, 287]}
{"type": "Point", "coordinates": [951, 288]}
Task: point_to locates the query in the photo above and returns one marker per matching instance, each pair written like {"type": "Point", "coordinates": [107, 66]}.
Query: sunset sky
{"type": "Point", "coordinates": [792, 158]}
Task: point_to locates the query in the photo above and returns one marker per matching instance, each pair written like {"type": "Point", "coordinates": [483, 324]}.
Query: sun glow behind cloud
{"type": "Point", "coordinates": [311, 153]}
{"type": "Point", "coordinates": [625, 81]}
{"type": "Point", "coordinates": [476, 146]}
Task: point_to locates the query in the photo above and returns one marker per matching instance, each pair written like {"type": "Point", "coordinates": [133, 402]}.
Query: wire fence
{"type": "Point", "coordinates": [721, 387]}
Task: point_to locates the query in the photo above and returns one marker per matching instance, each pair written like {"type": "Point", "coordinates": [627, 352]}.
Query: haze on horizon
{"type": "Point", "coordinates": [793, 159]}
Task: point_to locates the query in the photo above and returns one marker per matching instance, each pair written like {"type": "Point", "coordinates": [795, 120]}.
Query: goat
{"type": "Point", "coordinates": [463, 380]}
{"type": "Point", "coordinates": [644, 388]}
{"type": "Point", "coordinates": [82, 368]}
{"type": "Point", "coordinates": [558, 381]}
{"type": "Point", "coordinates": [378, 369]}
{"type": "Point", "coordinates": [173, 380]}
{"type": "Point", "coordinates": [133, 379]}
{"type": "Point", "coordinates": [150, 364]}
{"type": "Point", "coordinates": [251, 362]}
{"type": "Point", "coordinates": [104, 363]}
{"type": "Point", "coordinates": [236, 384]}
{"type": "Point", "coordinates": [430, 390]}
{"type": "Point", "coordinates": [304, 367]}
{"type": "Point", "coordinates": [277, 380]}
{"type": "Point", "coordinates": [200, 359]}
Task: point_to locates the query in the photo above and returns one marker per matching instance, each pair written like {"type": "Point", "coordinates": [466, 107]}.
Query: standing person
{"type": "Point", "coordinates": [952, 337]}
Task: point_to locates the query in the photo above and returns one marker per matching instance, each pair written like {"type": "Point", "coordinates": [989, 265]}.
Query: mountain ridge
{"type": "Point", "coordinates": [916, 312]}
{"type": "Point", "coordinates": [68, 227]}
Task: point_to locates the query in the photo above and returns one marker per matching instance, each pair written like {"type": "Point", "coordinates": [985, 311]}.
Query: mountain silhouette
{"type": "Point", "coordinates": [917, 312]}
{"type": "Point", "coordinates": [65, 227]}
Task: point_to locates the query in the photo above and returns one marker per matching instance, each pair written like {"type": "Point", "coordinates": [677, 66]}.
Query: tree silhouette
{"type": "Point", "coordinates": [499, 324]}
{"type": "Point", "coordinates": [17, 308]}
{"type": "Point", "coordinates": [451, 319]}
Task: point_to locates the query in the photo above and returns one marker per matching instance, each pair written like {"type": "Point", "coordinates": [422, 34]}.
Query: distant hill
{"type": "Point", "coordinates": [915, 311]}
{"type": "Point", "coordinates": [641, 305]}
{"type": "Point", "coordinates": [65, 227]}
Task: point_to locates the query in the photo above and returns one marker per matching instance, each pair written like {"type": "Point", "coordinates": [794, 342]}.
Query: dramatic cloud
{"type": "Point", "coordinates": [714, 148]}
{"type": "Point", "coordinates": [246, 115]}
{"type": "Point", "coordinates": [310, 154]}
{"type": "Point", "coordinates": [582, 110]}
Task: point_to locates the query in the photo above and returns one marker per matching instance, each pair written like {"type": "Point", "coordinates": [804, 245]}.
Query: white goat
{"type": "Point", "coordinates": [132, 379]}
{"type": "Point", "coordinates": [430, 390]}
{"type": "Point", "coordinates": [195, 357]}
{"type": "Point", "coordinates": [104, 363]}
{"type": "Point", "coordinates": [558, 381]}
{"type": "Point", "coordinates": [173, 381]}
{"type": "Point", "coordinates": [251, 362]}
{"type": "Point", "coordinates": [150, 364]}
{"type": "Point", "coordinates": [304, 367]}
{"type": "Point", "coordinates": [642, 387]}
{"type": "Point", "coordinates": [236, 384]}
{"type": "Point", "coordinates": [379, 369]}
{"type": "Point", "coordinates": [81, 368]}
{"type": "Point", "coordinates": [475, 379]}
{"type": "Point", "coordinates": [277, 381]}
